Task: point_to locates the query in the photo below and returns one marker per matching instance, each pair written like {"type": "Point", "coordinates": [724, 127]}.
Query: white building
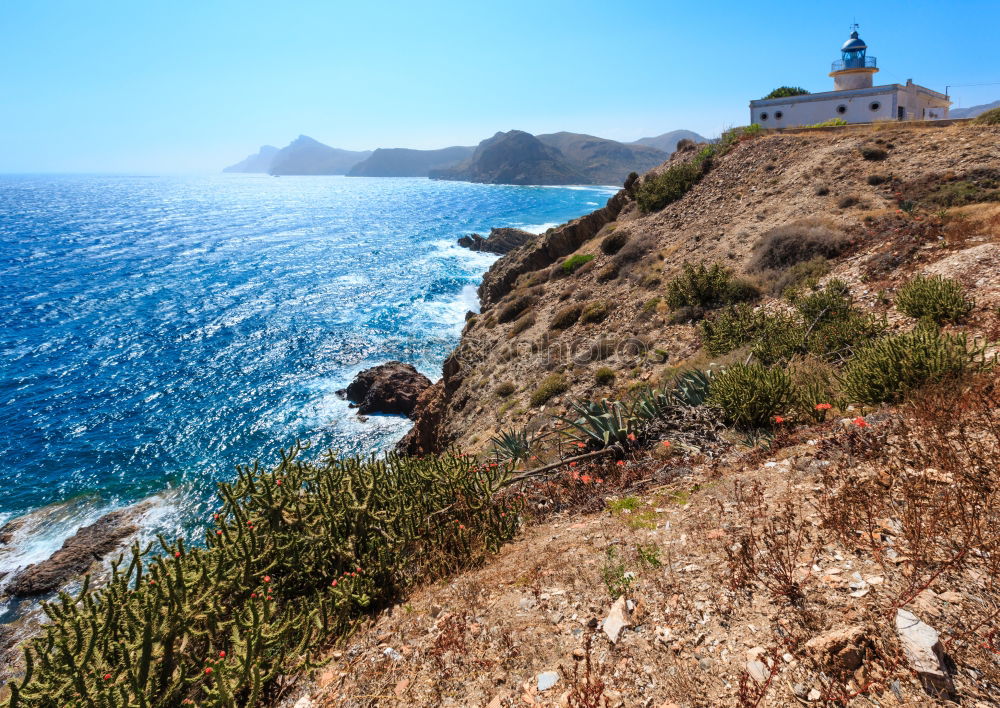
{"type": "Point", "coordinates": [854, 98]}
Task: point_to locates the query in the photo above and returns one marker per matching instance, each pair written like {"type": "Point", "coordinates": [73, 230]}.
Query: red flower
{"type": "Point", "coordinates": [267, 578]}
{"type": "Point", "coordinates": [580, 444]}
{"type": "Point", "coordinates": [222, 655]}
{"type": "Point", "coordinates": [599, 480]}
{"type": "Point", "coordinates": [358, 568]}
{"type": "Point", "coordinates": [333, 583]}
{"type": "Point", "coordinates": [631, 436]}
{"type": "Point", "coordinates": [461, 527]}
{"type": "Point", "coordinates": [208, 670]}
{"type": "Point", "coordinates": [860, 422]}
{"type": "Point", "coordinates": [666, 443]}
{"type": "Point", "coordinates": [778, 419]}
{"type": "Point", "coordinates": [621, 463]}
{"type": "Point", "coordinates": [278, 482]}
{"type": "Point", "coordinates": [107, 677]}
{"type": "Point", "coordinates": [218, 533]}
{"type": "Point", "coordinates": [823, 406]}
{"type": "Point", "coordinates": [253, 596]}
{"type": "Point", "coordinates": [152, 582]}
{"type": "Point", "coordinates": [269, 597]}
{"type": "Point", "coordinates": [572, 464]}
{"type": "Point", "coordinates": [177, 554]}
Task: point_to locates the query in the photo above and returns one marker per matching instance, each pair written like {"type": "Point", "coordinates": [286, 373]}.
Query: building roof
{"type": "Point", "coordinates": [854, 44]}
{"type": "Point", "coordinates": [843, 94]}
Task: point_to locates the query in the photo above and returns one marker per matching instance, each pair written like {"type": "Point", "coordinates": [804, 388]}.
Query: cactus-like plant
{"type": "Point", "coordinates": [513, 445]}
{"type": "Point", "coordinates": [751, 395]}
{"type": "Point", "coordinates": [600, 425]}
{"type": "Point", "coordinates": [691, 387]}
{"type": "Point", "coordinates": [293, 557]}
{"type": "Point", "coordinates": [934, 298]}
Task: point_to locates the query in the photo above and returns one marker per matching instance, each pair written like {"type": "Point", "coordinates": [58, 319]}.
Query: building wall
{"type": "Point", "coordinates": [853, 106]}
{"type": "Point", "coordinates": [856, 109]}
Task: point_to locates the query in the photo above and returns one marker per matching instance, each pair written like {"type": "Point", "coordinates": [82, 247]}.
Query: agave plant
{"type": "Point", "coordinates": [603, 424]}
{"type": "Point", "coordinates": [653, 404]}
{"type": "Point", "coordinates": [691, 387]}
{"type": "Point", "coordinates": [512, 445]}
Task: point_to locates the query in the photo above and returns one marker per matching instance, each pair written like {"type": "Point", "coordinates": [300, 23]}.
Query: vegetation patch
{"type": "Point", "coordinates": [604, 376]}
{"type": "Point", "coordinates": [513, 309]}
{"type": "Point", "coordinates": [991, 117]}
{"type": "Point", "coordinates": [873, 153]}
{"type": "Point", "coordinates": [576, 261]}
{"type": "Point", "coordinates": [293, 558]}
{"type": "Point", "coordinates": [595, 312]}
{"type": "Point", "coordinates": [566, 317]}
{"type": "Point", "coordinates": [523, 323]}
{"type": "Point", "coordinates": [786, 92]}
{"type": "Point", "coordinates": [751, 395]}
{"type": "Point", "coordinates": [888, 369]}
{"type": "Point", "coordinates": [797, 242]}
{"type": "Point", "coordinates": [708, 287]}
{"type": "Point", "coordinates": [612, 243]}
{"type": "Point", "coordinates": [505, 389]}
{"type": "Point", "coordinates": [551, 386]}
{"type": "Point", "coordinates": [935, 298]}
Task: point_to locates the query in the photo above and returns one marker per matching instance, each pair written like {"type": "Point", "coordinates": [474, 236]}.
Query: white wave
{"type": "Point", "coordinates": [538, 228]}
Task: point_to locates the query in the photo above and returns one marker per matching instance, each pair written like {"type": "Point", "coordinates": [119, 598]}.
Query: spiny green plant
{"type": "Point", "coordinates": [602, 424]}
{"type": "Point", "coordinates": [751, 395]}
{"type": "Point", "coordinates": [934, 298]}
{"type": "Point", "coordinates": [513, 445]}
{"type": "Point", "coordinates": [691, 387]}
{"type": "Point", "coordinates": [657, 191]}
{"type": "Point", "coordinates": [887, 369]}
{"type": "Point", "coordinates": [707, 287]}
{"type": "Point", "coordinates": [293, 557]}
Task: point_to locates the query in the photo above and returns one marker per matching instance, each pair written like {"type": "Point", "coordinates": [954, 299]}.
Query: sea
{"type": "Point", "coordinates": [158, 331]}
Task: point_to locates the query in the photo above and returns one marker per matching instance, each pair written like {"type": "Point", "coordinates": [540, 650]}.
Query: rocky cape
{"type": "Point", "coordinates": [392, 388]}
{"type": "Point", "coordinates": [404, 162]}
{"type": "Point", "coordinates": [500, 241]}
{"type": "Point", "coordinates": [302, 156]}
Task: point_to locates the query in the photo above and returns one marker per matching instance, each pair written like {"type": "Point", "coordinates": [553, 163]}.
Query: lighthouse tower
{"type": "Point", "coordinates": [855, 69]}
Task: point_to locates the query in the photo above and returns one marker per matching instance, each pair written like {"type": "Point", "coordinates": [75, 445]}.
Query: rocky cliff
{"type": "Point", "coordinates": [667, 142]}
{"type": "Point", "coordinates": [604, 161]}
{"type": "Point", "coordinates": [514, 157]}
{"type": "Point", "coordinates": [258, 163]}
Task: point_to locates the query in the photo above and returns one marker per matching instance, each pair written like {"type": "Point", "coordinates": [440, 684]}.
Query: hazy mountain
{"type": "Point", "coordinates": [972, 111]}
{"type": "Point", "coordinates": [403, 162]}
{"type": "Point", "coordinates": [514, 157]}
{"type": "Point", "coordinates": [305, 156]}
{"type": "Point", "coordinates": [668, 141]}
{"type": "Point", "coordinates": [258, 162]}
{"type": "Point", "coordinates": [604, 161]}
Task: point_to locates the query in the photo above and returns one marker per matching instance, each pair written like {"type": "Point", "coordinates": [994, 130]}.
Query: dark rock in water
{"type": "Point", "coordinates": [8, 529]}
{"type": "Point", "coordinates": [78, 553]}
{"type": "Point", "coordinates": [500, 241]}
{"type": "Point", "coordinates": [392, 387]}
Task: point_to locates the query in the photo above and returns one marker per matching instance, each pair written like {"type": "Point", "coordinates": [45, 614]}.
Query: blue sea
{"type": "Point", "coordinates": [157, 331]}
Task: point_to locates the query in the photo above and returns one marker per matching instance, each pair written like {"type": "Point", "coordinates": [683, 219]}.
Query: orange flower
{"type": "Point", "coordinates": [580, 444]}
{"type": "Point", "coordinates": [823, 406]}
{"type": "Point", "coordinates": [778, 419]}
{"type": "Point", "coordinates": [860, 422]}
{"type": "Point", "coordinates": [621, 463]}
{"type": "Point", "coordinates": [666, 443]}
{"type": "Point", "coordinates": [599, 481]}
{"type": "Point", "coordinates": [222, 655]}
{"type": "Point", "coordinates": [572, 464]}
{"type": "Point", "coordinates": [631, 436]}
{"type": "Point", "coordinates": [585, 478]}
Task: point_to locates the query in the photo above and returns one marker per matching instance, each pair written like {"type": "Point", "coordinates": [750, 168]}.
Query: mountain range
{"type": "Point", "coordinates": [972, 111]}
{"type": "Point", "coordinates": [513, 157]}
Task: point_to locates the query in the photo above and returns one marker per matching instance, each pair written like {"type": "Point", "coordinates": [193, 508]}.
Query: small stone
{"type": "Point", "coordinates": [923, 650]}
{"type": "Point", "coordinates": [527, 603]}
{"type": "Point", "coordinates": [616, 621]}
{"type": "Point", "coordinates": [547, 679]}
{"type": "Point", "coordinates": [392, 654]}
{"type": "Point", "coordinates": [304, 702]}
{"type": "Point", "coordinates": [814, 695]}
{"type": "Point", "coordinates": [758, 671]}
{"type": "Point", "coordinates": [800, 690]}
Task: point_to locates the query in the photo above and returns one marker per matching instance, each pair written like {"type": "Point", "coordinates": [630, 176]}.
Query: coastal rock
{"type": "Point", "coordinates": [78, 553]}
{"type": "Point", "coordinates": [392, 387]}
{"type": "Point", "coordinates": [500, 240]}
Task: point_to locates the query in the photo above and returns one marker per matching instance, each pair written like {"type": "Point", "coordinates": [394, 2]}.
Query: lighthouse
{"type": "Point", "coordinates": [855, 97]}
{"type": "Point", "coordinates": [855, 69]}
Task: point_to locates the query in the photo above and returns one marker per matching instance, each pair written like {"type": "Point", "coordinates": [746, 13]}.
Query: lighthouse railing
{"type": "Point", "coordinates": [859, 63]}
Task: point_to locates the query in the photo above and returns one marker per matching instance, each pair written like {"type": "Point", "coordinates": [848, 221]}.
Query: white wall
{"type": "Point", "coordinates": [857, 109]}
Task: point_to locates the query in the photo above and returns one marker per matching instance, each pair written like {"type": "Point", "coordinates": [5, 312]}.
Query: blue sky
{"type": "Point", "coordinates": [193, 85]}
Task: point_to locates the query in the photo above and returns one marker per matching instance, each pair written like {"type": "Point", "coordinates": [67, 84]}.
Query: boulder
{"type": "Point", "coordinates": [78, 553]}
{"type": "Point", "coordinates": [500, 241]}
{"type": "Point", "coordinates": [392, 387]}
{"type": "Point", "coordinates": [616, 621]}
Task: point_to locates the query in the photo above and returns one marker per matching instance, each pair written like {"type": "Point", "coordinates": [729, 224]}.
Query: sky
{"type": "Point", "coordinates": [173, 86]}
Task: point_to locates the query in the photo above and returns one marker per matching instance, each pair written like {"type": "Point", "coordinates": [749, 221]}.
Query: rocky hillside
{"type": "Point", "coordinates": [667, 142]}
{"type": "Point", "coordinates": [517, 157]}
{"type": "Point", "coordinates": [590, 295]}
{"type": "Point", "coordinates": [403, 162]}
{"type": "Point", "coordinates": [305, 156]}
{"type": "Point", "coordinates": [258, 163]}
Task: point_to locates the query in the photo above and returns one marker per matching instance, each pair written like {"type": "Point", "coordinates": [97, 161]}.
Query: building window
{"type": "Point", "coordinates": [875, 105]}
{"type": "Point", "coordinates": [778, 115]}
{"type": "Point", "coordinates": [763, 116]}
{"type": "Point", "coordinates": [841, 109]}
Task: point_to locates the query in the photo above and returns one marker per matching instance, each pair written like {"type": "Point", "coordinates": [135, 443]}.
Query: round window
{"type": "Point", "coordinates": [875, 105]}
{"type": "Point", "coordinates": [841, 110]}
{"type": "Point", "coordinates": [763, 116]}
{"type": "Point", "coordinates": [778, 115]}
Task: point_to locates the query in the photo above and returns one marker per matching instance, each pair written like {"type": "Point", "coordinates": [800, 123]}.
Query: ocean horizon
{"type": "Point", "coordinates": [157, 331]}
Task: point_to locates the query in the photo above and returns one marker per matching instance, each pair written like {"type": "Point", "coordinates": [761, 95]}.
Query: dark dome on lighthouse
{"type": "Point", "coordinates": [855, 43]}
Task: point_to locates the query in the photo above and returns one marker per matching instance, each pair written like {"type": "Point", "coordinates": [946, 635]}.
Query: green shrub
{"type": "Point", "coordinates": [294, 557]}
{"type": "Point", "coordinates": [505, 389]}
{"type": "Point", "coordinates": [750, 395]}
{"type": "Point", "coordinates": [701, 286]}
{"type": "Point", "coordinates": [566, 317]}
{"type": "Point", "coordinates": [798, 242]}
{"type": "Point", "coordinates": [873, 153]}
{"type": "Point", "coordinates": [552, 385]}
{"type": "Point", "coordinates": [887, 369]}
{"type": "Point", "coordinates": [831, 303]}
{"type": "Point", "coordinates": [604, 376]}
{"type": "Point", "coordinates": [523, 323]}
{"type": "Point", "coordinates": [657, 191]}
{"type": "Point", "coordinates": [576, 261]}
{"type": "Point", "coordinates": [801, 275]}
{"type": "Point", "coordinates": [512, 445]}
{"type": "Point", "coordinates": [832, 123]}
{"type": "Point", "coordinates": [741, 326]}
{"type": "Point", "coordinates": [595, 312]}
{"type": "Point", "coordinates": [936, 298]}
{"type": "Point", "coordinates": [691, 387]}
{"type": "Point", "coordinates": [876, 180]}
{"type": "Point", "coordinates": [991, 117]}
{"type": "Point", "coordinates": [786, 92]}
{"type": "Point", "coordinates": [612, 243]}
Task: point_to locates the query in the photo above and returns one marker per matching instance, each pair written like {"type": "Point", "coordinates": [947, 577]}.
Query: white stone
{"type": "Point", "coordinates": [547, 679]}
{"type": "Point", "coordinates": [304, 702]}
{"type": "Point", "coordinates": [921, 646]}
{"type": "Point", "coordinates": [616, 621]}
{"type": "Point", "coordinates": [758, 671]}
